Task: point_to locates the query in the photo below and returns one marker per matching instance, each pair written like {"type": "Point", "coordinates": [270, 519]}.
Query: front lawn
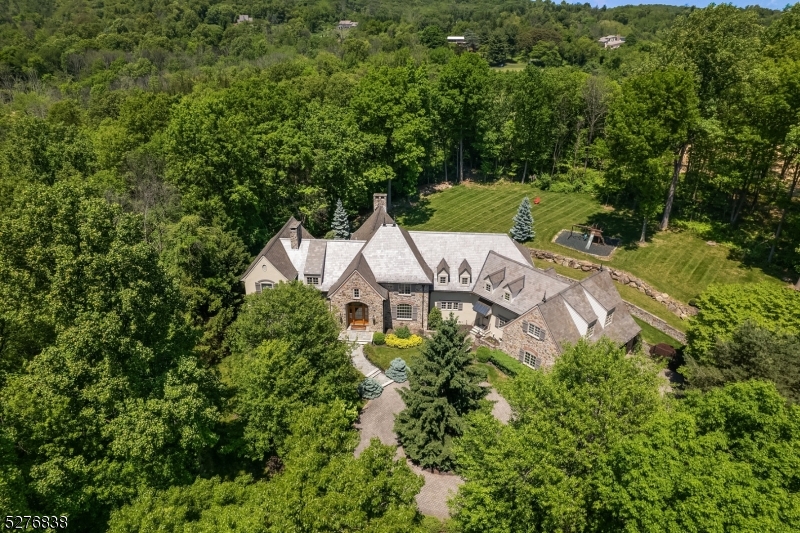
{"type": "Point", "coordinates": [381, 356]}
{"type": "Point", "coordinates": [678, 263]}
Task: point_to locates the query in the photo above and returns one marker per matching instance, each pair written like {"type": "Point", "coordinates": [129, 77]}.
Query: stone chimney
{"type": "Point", "coordinates": [378, 200]}
{"type": "Point", "coordinates": [295, 233]}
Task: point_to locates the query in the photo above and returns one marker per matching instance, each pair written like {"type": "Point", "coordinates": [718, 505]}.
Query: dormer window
{"type": "Point", "coordinates": [465, 280]}
{"type": "Point", "coordinates": [442, 279]}
{"type": "Point", "coordinates": [507, 296]}
{"type": "Point", "coordinates": [590, 330]}
{"type": "Point", "coordinates": [488, 287]}
{"type": "Point", "coordinates": [609, 318]}
{"type": "Point", "coordinates": [312, 280]}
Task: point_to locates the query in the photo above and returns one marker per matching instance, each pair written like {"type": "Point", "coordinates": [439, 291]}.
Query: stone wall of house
{"type": "Point", "coordinates": [516, 339]}
{"type": "Point", "coordinates": [419, 299]}
{"type": "Point", "coordinates": [369, 296]}
{"type": "Point", "coordinates": [682, 310]}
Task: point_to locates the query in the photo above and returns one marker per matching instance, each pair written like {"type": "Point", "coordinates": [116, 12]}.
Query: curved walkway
{"type": "Point", "coordinates": [377, 422]}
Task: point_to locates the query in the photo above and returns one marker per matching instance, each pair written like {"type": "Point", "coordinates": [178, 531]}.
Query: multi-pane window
{"type": "Point", "coordinates": [529, 359]}
{"type": "Point", "coordinates": [443, 279]}
{"type": "Point", "coordinates": [609, 318]}
{"type": "Point", "coordinates": [403, 312]}
{"type": "Point", "coordinates": [312, 280]}
{"type": "Point", "coordinates": [449, 306]}
{"type": "Point", "coordinates": [465, 280]}
{"type": "Point", "coordinates": [590, 330]}
{"type": "Point", "coordinates": [356, 293]}
{"type": "Point", "coordinates": [261, 285]}
{"type": "Point", "coordinates": [501, 322]}
{"type": "Point", "coordinates": [535, 331]}
{"type": "Point", "coordinates": [488, 287]}
{"type": "Point", "coordinates": [404, 289]}
{"type": "Point", "coordinates": [507, 296]}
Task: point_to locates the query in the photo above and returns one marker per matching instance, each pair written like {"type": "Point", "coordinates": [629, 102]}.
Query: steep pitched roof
{"type": "Point", "coordinates": [361, 265]}
{"type": "Point", "coordinates": [315, 261]}
{"type": "Point", "coordinates": [378, 218]}
{"type": "Point", "coordinates": [497, 276]}
{"type": "Point", "coordinates": [514, 287]}
{"type": "Point", "coordinates": [525, 251]}
{"type": "Point", "coordinates": [275, 253]}
{"type": "Point", "coordinates": [467, 250]}
{"type": "Point", "coordinates": [338, 256]}
{"type": "Point", "coordinates": [394, 257]}
{"type": "Point", "coordinates": [576, 299]}
{"type": "Point", "coordinates": [443, 266]}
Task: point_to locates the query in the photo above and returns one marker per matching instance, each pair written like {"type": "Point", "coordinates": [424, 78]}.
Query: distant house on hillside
{"type": "Point", "coordinates": [346, 25]}
{"type": "Point", "coordinates": [385, 277]}
{"type": "Point", "coordinates": [457, 39]}
{"type": "Point", "coordinates": [244, 18]}
{"type": "Point", "coordinates": [611, 41]}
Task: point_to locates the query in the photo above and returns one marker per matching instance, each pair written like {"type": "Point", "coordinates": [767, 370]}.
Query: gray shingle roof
{"type": "Point", "coordinates": [577, 299]}
{"type": "Point", "coordinates": [535, 283]}
{"type": "Point", "coordinates": [516, 286]}
{"type": "Point", "coordinates": [391, 255]}
{"type": "Point", "coordinates": [443, 267]}
{"type": "Point", "coordinates": [361, 265]}
{"type": "Point", "coordinates": [468, 250]}
{"type": "Point", "coordinates": [276, 254]}
{"type": "Point", "coordinates": [378, 218]}
{"type": "Point", "coordinates": [338, 256]}
{"type": "Point", "coordinates": [496, 277]}
{"type": "Point", "coordinates": [315, 261]}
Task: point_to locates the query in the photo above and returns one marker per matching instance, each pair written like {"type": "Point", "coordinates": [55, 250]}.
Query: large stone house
{"type": "Point", "coordinates": [385, 277]}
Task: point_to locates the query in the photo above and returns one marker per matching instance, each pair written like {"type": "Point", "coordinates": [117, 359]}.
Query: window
{"type": "Point", "coordinates": [507, 296]}
{"type": "Point", "coordinates": [590, 330]}
{"type": "Point", "coordinates": [529, 359]}
{"type": "Point", "coordinates": [312, 280]}
{"type": "Point", "coordinates": [449, 306]}
{"type": "Point", "coordinates": [404, 289]}
{"type": "Point", "coordinates": [443, 279]}
{"type": "Point", "coordinates": [465, 280]}
{"type": "Point", "coordinates": [501, 322]}
{"type": "Point", "coordinates": [536, 332]}
{"type": "Point", "coordinates": [356, 294]}
{"type": "Point", "coordinates": [488, 287]}
{"type": "Point", "coordinates": [261, 285]}
{"type": "Point", "coordinates": [609, 318]}
{"type": "Point", "coordinates": [403, 312]}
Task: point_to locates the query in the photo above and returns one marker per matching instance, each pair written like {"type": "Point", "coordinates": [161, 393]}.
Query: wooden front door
{"type": "Point", "coordinates": [357, 316]}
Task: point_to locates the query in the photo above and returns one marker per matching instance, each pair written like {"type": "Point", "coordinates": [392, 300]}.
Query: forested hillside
{"type": "Point", "coordinates": [148, 149]}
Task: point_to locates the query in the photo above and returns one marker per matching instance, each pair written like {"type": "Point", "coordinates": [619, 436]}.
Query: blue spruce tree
{"type": "Point", "coordinates": [522, 230]}
{"type": "Point", "coordinates": [340, 224]}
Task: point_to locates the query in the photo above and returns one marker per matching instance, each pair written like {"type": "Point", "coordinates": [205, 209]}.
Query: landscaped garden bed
{"type": "Point", "coordinates": [381, 356]}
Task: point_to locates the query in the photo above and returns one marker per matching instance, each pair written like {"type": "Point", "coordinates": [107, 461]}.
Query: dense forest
{"type": "Point", "coordinates": [149, 148]}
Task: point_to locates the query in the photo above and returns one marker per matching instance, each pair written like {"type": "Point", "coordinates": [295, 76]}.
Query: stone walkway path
{"type": "Point", "coordinates": [377, 421]}
{"type": "Point", "coordinates": [369, 370]}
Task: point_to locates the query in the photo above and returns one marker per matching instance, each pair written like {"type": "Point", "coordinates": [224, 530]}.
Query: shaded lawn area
{"type": "Point", "coordinates": [653, 336]}
{"type": "Point", "coordinates": [680, 264]}
{"type": "Point", "coordinates": [381, 356]}
{"type": "Point", "coordinates": [495, 377]}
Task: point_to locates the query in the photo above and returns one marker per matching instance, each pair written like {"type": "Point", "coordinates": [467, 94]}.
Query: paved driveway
{"type": "Point", "coordinates": [377, 421]}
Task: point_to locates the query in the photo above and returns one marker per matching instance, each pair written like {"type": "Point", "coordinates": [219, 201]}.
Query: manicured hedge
{"type": "Point", "coordinates": [483, 354]}
{"type": "Point", "coordinates": [378, 338]}
{"type": "Point", "coordinates": [504, 362]}
{"type": "Point", "coordinates": [396, 342]}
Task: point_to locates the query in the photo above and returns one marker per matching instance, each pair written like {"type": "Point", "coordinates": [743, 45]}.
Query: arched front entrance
{"type": "Point", "coordinates": [357, 315]}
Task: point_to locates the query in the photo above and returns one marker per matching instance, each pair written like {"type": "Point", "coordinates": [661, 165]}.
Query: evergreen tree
{"type": "Point", "coordinates": [523, 222]}
{"type": "Point", "coordinates": [340, 225]}
{"type": "Point", "coordinates": [443, 389]}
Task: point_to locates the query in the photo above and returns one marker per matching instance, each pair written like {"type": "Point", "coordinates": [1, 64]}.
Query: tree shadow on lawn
{"type": "Point", "coordinates": [413, 212]}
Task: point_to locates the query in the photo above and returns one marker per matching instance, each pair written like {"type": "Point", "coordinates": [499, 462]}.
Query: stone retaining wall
{"type": "Point", "coordinates": [656, 322]}
{"type": "Point", "coordinates": [682, 310]}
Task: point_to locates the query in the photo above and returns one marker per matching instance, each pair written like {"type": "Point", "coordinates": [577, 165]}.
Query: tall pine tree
{"type": "Point", "coordinates": [523, 222]}
{"type": "Point", "coordinates": [443, 389]}
{"type": "Point", "coordinates": [340, 224]}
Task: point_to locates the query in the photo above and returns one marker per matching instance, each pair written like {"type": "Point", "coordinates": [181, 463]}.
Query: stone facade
{"type": "Point", "coordinates": [418, 299]}
{"type": "Point", "coordinates": [620, 276]}
{"type": "Point", "coordinates": [515, 339]}
{"type": "Point", "coordinates": [376, 313]}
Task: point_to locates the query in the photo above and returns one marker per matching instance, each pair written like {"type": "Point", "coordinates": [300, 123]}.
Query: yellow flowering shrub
{"type": "Point", "coordinates": [396, 342]}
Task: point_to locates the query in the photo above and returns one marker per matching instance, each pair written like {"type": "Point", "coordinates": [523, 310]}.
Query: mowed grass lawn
{"type": "Point", "coordinates": [678, 263]}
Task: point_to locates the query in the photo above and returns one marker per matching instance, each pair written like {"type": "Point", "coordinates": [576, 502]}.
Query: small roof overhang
{"type": "Point", "coordinates": [482, 308]}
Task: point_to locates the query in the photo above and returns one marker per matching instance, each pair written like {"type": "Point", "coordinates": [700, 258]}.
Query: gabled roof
{"type": "Point", "coordinates": [361, 265]}
{"type": "Point", "coordinates": [275, 253]}
{"type": "Point", "coordinates": [378, 218]}
{"type": "Point", "coordinates": [496, 277]}
{"type": "Point", "coordinates": [576, 299]}
{"type": "Point", "coordinates": [338, 256]}
{"type": "Point", "coordinates": [394, 257]}
{"type": "Point", "coordinates": [602, 288]}
{"type": "Point", "coordinates": [315, 261]}
{"type": "Point", "coordinates": [514, 287]}
{"type": "Point", "coordinates": [442, 266]}
{"type": "Point", "coordinates": [525, 251]}
{"type": "Point", "coordinates": [464, 267]}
